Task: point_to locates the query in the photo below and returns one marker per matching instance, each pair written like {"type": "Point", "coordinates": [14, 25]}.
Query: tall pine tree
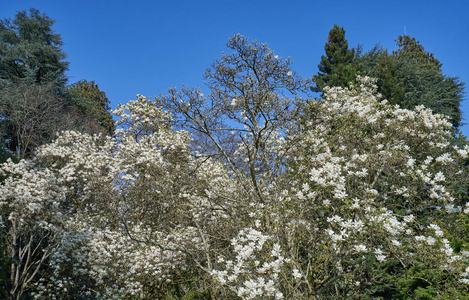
{"type": "Point", "coordinates": [337, 67]}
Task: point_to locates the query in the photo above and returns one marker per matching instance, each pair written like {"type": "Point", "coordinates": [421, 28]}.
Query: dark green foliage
{"type": "Point", "coordinates": [434, 90]}
{"type": "Point", "coordinates": [412, 52]}
{"type": "Point", "coordinates": [410, 77]}
{"type": "Point", "coordinates": [178, 294]}
{"type": "Point", "coordinates": [5, 264]}
{"type": "Point", "coordinates": [197, 295]}
{"type": "Point", "coordinates": [32, 81]}
{"type": "Point", "coordinates": [337, 68]}
{"type": "Point", "coordinates": [32, 72]}
{"type": "Point", "coordinates": [378, 63]}
{"type": "Point", "coordinates": [89, 99]}
{"type": "Point", "coordinates": [5, 154]}
{"type": "Point", "coordinates": [417, 280]}
{"type": "Point", "coordinates": [30, 51]}
{"type": "Point", "coordinates": [418, 283]}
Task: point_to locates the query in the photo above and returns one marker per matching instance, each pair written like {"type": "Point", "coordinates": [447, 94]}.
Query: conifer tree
{"type": "Point", "coordinates": [32, 84]}
{"type": "Point", "coordinates": [411, 51]}
{"type": "Point", "coordinates": [411, 76]}
{"type": "Point", "coordinates": [30, 51]}
{"type": "Point", "coordinates": [337, 67]}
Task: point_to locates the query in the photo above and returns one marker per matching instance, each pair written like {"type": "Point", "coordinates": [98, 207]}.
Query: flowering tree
{"type": "Point", "coordinates": [329, 206]}
{"type": "Point", "coordinates": [361, 194]}
{"type": "Point", "coordinates": [248, 113]}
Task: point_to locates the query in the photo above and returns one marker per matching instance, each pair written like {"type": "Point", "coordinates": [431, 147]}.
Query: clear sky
{"type": "Point", "coordinates": [145, 47]}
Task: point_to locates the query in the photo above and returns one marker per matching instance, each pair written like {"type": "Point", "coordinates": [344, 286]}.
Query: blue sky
{"type": "Point", "coordinates": [145, 47]}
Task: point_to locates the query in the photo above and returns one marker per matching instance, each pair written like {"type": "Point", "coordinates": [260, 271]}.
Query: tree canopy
{"type": "Point", "coordinates": [35, 102]}
{"type": "Point", "coordinates": [30, 51]}
{"type": "Point", "coordinates": [89, 99]}
{"type": "Point", "coordinates": [248, 191]}
{"type": "Point", "coordinates": [412, 52]}
{"type": "Point", "coordinates": [409, 76]}
{"type": "Point", "coordinates": [343, 202]}
{"type": "Point", "coordinates": [337, 67]}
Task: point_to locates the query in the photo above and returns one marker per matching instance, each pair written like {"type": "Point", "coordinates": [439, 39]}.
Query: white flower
{"type": "Point", "coordinates": [257, 223]}
{"type": "Point", "coordinates": [360, 248]}
{"type": "Point", "coordinates": [410, 162]}
{"type": "Point", "coordinates": [296, 274]}
{"type": "Point", "coordinates": [431, 240]}
{"type": "Point", "coordinates": [439, 177]}
{"type": "Point", "coordinates": [381, 258]}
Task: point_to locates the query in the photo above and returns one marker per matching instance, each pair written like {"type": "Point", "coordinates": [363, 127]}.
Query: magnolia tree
{"type": "Point", "coordinates": [349, 202]}
{"type": "Point", "coordinates": [245, 120]}
{"type": "Point", "coordinates": [358, 200]}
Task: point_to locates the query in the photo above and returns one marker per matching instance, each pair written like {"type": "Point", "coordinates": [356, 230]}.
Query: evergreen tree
{"type": "Point", "coordinates": [410, 76]}
{"type": "Point", "coordinates": [30, 51]}
{"type": "Point", "coordinates": [337, 67]}
{"type": "Point", "coordinates": [89, 99]}
{"type": "Point", "coordinates": [32, 80]}
{"type": "Point", "coordinates": [379, 64]}
{"type": "Point", "coordinates": [428, 87]}
{"type": "Point", "coordinates": [412, 52]}
{"type": "Point", "coordinates": [31, 63]}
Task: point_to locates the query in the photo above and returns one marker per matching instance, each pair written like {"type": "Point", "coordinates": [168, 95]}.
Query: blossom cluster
{"type": "Point", "coordinates": [254, 272]}
{"type": "Point", "coordinates": [313, 210]}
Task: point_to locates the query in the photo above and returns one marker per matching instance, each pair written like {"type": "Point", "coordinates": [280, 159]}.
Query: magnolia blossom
{"type": "Point", "coordinates": [292, 212]}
